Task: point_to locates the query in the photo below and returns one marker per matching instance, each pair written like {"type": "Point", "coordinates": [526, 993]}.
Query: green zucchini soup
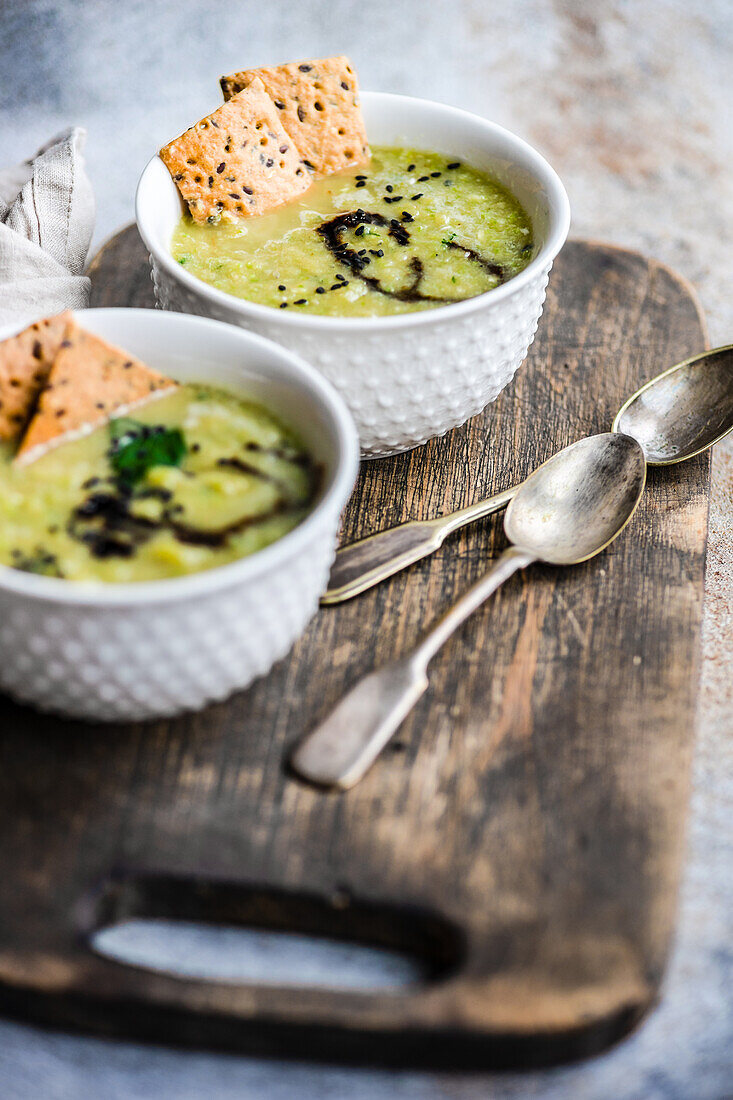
{"type": "Point", "coordinates": [406, 231]}
{"type": "Point", "coordinates": [195, 479]}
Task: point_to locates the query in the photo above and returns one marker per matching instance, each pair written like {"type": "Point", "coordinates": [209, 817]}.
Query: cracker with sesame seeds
{"type": "Point", "coordinates": [25, 362]}
{"type": "Point", "coordinates": [90, 381]}
{"type": "Point", "coordinates": [318, 102]}
{"type": "Point", "coordinates": [237, 161]}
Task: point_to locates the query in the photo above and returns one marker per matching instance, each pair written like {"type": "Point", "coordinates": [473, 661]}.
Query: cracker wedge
{"type": "Point", "coordinates": [25, 362]}
{"type": "Point", "coordinates": [318, 102]}
{"type": "Point", "coordinates": [90, 381]}
{"type": "Point", "coordinates": [237, 161]}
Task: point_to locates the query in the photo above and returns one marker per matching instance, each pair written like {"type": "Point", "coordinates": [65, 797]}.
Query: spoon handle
{"type": "Point", "coordinates": [339, 752]}
{"type": "Point", "coordinates": [365, 563]}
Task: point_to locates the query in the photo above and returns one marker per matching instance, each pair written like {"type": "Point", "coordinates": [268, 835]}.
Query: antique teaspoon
{"type": "Point", "coordinates": [567, 511]}
{"type": "Point", "coordinates": [677, 415]}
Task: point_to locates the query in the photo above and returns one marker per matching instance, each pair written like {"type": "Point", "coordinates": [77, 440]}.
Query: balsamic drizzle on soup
{"type": "Point", "coordinates": [332, 231]}
{"type": "Point", "coordinates": [105, 524]}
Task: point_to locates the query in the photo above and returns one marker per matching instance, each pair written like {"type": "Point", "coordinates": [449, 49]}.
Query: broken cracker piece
{"type": "Point", "coordinates": [237, 161]}
{"type": "Point", "coordinates": [89, 382]}
{"type": "Point", "coordinates": [25, 362]}
{"type": "Point", "coordinates": [318, 102]}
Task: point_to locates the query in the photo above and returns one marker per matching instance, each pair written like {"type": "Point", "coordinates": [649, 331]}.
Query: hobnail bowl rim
{"type": "Point", "coordinates": [210, 581]}
{"type": "Point", "coordinates": [559, 214]}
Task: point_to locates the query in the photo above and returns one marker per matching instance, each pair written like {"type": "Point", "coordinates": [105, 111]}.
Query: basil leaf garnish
{"type": "Point", "coordinates": [137, 447]}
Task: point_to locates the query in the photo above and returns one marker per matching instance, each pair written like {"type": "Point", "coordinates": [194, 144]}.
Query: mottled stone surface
{"type": "Point", "coordinates": [632, 104]}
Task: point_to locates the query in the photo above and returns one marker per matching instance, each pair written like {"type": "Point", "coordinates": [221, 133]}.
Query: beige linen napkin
{"type": "Point", "coordinates": [46, 224]}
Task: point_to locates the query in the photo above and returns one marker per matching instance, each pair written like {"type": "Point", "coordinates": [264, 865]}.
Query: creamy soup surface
{"type": "Point", "coordinates": [193, 480]}
{"type": "Point", "coordinates": [409, 231]}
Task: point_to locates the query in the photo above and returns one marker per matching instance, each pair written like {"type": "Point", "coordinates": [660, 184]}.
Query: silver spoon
{"type": "Point", "coordinates": [567, 511]}
{"type": "Point", "coordinates": [675, 416]}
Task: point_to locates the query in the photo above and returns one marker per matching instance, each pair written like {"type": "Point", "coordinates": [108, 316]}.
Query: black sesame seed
{"type": "Point", "coordinates": [282, 287]}
{"type": "Point", "coordinates": [247, 191]}
{"type": "Point", "coordinates": [300, 302]}
{"type": "Point", "coordinates": [422, 179]}
{"type": "Point", "coordinates": [454, 164]}
{"type": "Point", "coordinates": [269, 162]}
{"type": "Point", "coordinates": [406, 217]}
{"type": "Point", "coordinates": [232, 195]}
{"type": "Point", "coordinates": [410, 167]}
{"type": "Point", "coordinates": [221, 168]}
{"type": "Point", "coordinates": [359, 231]}
{"type": "Point", "coordinates": [211, 181]}
{"type": "Point", "coordinates": [320, 290]}
{"type": "Point", "coordinates": [301, 114]}
{"type": "Point", "coordinates": [361, 183]}
{"type": "Point", "coordinates": [283, 305]}
{"type": "Point", "coordinates": [435, 175]}
{"type": "Point", "coordinates": [389, 188]}
{"type": "Point", "coordinates": [344, 85]}
{"type": "Point", "coordinates": [416, 197]}
{"type": "Point", "coordinates": [361, 177]}
{"type": "Point", "coordinates": [305, 68]}
{"type": "Point", "coordinates": [280, 106]}
{"type": "Point", "coordinates": [283, 148]}
{"type": "Point", "coordinates": [341, 278]}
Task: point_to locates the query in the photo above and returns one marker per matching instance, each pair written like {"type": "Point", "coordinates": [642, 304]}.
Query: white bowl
{"type": "Point", "coordinates": [409, 377]}
{"type": "Point", "coordinates": [156, 648]}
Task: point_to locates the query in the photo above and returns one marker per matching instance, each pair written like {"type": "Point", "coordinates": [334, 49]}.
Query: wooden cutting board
{"type": "Point", "coordinates": [523, 836]}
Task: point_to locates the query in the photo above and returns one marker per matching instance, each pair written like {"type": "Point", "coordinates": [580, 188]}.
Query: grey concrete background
{"type": "Point", "coordinates": [631, 102]}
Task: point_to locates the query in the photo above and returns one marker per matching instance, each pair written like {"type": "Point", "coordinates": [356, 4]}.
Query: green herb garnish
{"type": "Point", "coordinates": [183, 259]}
{"type": "Point", "coordinates": [137, 447]}
{"type": "Point", "coordinates": [41, 561]}
{"type": "Point", "coordinates": [447, 240]}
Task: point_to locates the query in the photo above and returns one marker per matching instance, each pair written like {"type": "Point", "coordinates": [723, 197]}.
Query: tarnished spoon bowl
{"type": "Point", "coordinates": [578, 501]}
{"type": "Point", "coordinates": [684, 411]}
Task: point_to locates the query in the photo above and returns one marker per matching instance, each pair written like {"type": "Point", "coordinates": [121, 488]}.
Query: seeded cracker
{"type": "Point", "coordinates": [237, 161]}
{"type": "Point", "coordinates": [25, 361]}
{"type": "Point", "coordinates": [89, 382]}
{"type": "Point", "coordinates": [318, 102]}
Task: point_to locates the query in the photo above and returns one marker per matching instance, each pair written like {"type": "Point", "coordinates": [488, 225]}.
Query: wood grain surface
{"type": "Point", "coordinates": [523, 836]}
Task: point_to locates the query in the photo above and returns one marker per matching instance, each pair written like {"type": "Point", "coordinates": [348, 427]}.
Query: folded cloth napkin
{"type": "Point", "coordinates": [46, 224]}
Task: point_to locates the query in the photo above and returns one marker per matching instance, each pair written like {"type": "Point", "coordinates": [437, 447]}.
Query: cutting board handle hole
{"type": "Point", "coordinates": [228, 932]}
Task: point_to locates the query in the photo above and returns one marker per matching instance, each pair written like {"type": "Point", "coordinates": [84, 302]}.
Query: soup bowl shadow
{"type": "Point", "coordinates": [150, 649]}
{"type": "Point", "coordinates": [409, 377]}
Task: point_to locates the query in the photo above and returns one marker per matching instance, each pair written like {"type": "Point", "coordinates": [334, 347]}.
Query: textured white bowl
{"type": "Point", "coordinates": [155, 648]}
{"type": "Point", "coordinates": [413, 376]}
